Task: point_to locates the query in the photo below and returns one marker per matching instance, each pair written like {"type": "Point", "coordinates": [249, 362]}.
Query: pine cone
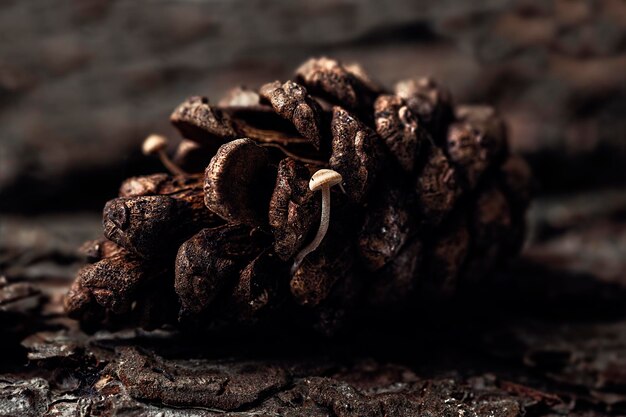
{"type": "Point", "coordinates": [430, 200]}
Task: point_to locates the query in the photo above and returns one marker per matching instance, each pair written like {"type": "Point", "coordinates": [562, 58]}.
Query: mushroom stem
{"type": "Point", "coordinates": [156, 144]}
{"type": "Point", "coordinates": [321, 231]}
{"type": "Point", "coordinates": [171, 166]}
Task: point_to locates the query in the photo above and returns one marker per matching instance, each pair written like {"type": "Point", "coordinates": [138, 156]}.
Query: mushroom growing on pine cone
{"type": "Point", "coordinates": [429, 198]}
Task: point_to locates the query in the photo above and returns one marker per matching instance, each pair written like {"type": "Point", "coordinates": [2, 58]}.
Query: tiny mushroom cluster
{"type": "Point", "coordinates": [157, 145]}
{"type": "Point", "coordinates": [429, 199]}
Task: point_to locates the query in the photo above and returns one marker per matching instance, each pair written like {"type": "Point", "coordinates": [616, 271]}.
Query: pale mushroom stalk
{"type": "Point", "coordinates": [322, 179]}
{"type": "Point", "coordinates": [156, 144]}
{"type": "Point", "coordinates": [171, 166]}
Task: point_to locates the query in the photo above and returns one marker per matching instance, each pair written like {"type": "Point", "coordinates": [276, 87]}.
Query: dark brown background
{"type": "Point", "coordinates": [82, 82]}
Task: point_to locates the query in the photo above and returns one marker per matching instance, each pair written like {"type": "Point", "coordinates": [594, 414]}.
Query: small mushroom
{"type": "Point", "coordinates": [240, 97]}
{"type": "Point", "coordinates": [321, 180]}
{"type": "Point", "coordinates": [155, 145]}
{"type": "Point", "coordinates": [192, 156]}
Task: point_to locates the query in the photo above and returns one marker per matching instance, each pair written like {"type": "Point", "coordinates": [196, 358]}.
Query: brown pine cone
{"type": "Point", "coordinates": [428, 199]}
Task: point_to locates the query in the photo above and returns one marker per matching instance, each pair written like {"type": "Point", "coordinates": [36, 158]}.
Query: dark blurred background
{"type": "Point", "coordinates": [82, 82]}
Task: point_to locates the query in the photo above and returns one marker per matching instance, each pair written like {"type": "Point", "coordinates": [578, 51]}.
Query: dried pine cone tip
{"type": "Point", "coordinates": [159, 184]}
{"type": "Point", "coordinates": [197, 120]}
{"type": "Point", "coordinates": [211, 260]}
{"type": "Point", "coordinates": [356, 153]}
{"type": "Point", "coordinates": [400, 130]}
{"type": "Point", "coordinates": [291, 101]}
{"type": "Point", "coordinates": [489, 124]}
{"type": "Point", "coordinates": [430, 102]}
{"type": "Point", "coordinates": [329, 79]}
{"type": "Point", "coordinates": [238, 182]}
{"type": "Point", "coordinates": [294, 208]}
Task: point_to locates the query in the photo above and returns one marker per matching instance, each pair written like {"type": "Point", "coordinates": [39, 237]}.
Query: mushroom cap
{"type": "Point", "coordinates": [153, 144]}
{"type": "Point", "coordinates": [187, 145]}
{"type": "Point", "coordinates": [324, 177]}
